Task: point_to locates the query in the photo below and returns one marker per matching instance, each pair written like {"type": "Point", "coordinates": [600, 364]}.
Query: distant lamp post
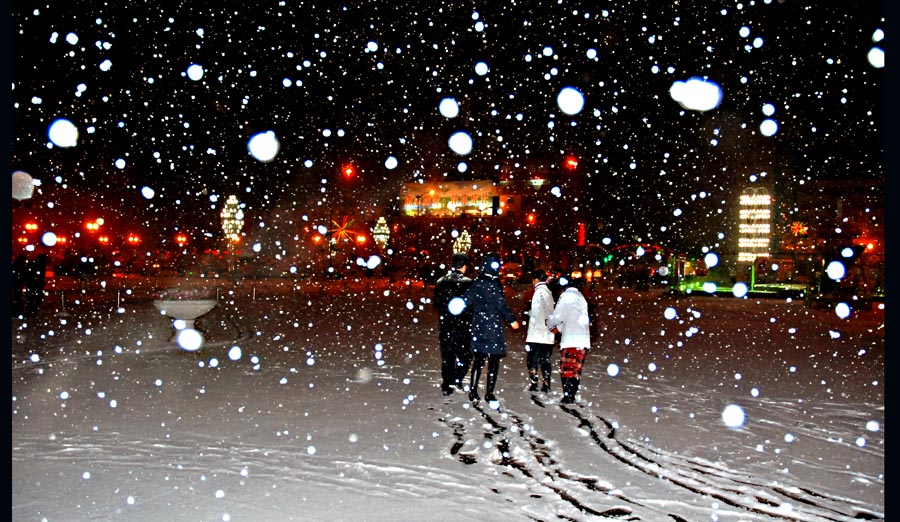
{"type": "Point", "coordinates": [381, 233]}
{"type": "Point", "coordinates": [463, 243]}
{"type": "Point", "coordinates": [232, 222]}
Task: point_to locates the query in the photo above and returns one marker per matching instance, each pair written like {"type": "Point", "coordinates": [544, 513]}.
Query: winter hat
{"type": "Point", "coordinates": [459, 260]}
{"type": "Point", "coordinates": [491, 263]}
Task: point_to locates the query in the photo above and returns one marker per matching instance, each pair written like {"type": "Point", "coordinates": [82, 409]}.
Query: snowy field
{"type": "Point", "coordinates": [311, 403]}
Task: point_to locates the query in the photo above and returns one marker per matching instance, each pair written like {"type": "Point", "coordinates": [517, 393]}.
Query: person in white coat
{"type": "Point", "coordinates": [571, 319]}
{"type": "Point", "coordinates": [539, 340]}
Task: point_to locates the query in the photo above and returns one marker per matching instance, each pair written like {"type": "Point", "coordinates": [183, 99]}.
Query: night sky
{"type": "Point", "coordinates": [361, 81]}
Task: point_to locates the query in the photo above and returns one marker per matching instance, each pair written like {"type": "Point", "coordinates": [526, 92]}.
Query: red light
{"type": "Point", "coordinates": [349, 171]}
{"type": "Point", "coordinates": [571, 162]}
{"type": "Point", "coordinates": [531, 219]}
{"type": "Point", "coordinates": [31, 227]}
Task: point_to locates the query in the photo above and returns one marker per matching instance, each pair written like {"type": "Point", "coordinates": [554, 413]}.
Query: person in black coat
{"type": "Point", "coordinates": [35, 278]}
{"type": "Point", "coordinates": [454, 322]}
{"type": "Point", "coordinates": [490, 314]}
{"type": "Point", "coordinates": [19, 275]}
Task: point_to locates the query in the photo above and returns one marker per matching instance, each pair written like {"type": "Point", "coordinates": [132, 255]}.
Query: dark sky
{"type": "Point", "coordinates": [647, 162]}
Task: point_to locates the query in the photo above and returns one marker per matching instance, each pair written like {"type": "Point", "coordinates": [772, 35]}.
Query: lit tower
{"type": "Point", "coordinates": [755, 225]}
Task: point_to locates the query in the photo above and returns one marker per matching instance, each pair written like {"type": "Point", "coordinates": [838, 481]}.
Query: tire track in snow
{"type": "Point", "coordinates": [736, 490]}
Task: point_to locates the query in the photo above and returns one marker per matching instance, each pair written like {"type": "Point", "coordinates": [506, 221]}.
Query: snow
{"type": "Point", "coordinates": [313, 401]}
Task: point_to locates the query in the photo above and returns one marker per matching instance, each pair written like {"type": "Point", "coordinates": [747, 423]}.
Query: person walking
{"type": "Point", "coordinates": [490, 314]}
{"type": "Point", "coordinates": [35, 279]}
{"type": "Point", "coordinates": [454, 323]}
{"type": "Point", "coordinates": [571, 319]}
{"type": "Point", "coordinates": [19, 276]}
{"type": "Point", "coordinates": [539, 339]}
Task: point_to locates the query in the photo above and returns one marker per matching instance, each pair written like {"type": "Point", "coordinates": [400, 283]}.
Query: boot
{"type": "Point", "coordinates": [568, 393]}
{"type": "Point", "coordinates": [547, 378]}
{"type": "Point", "coordinates": [491, 382]}
{"type": "Point", "coordinates": [473, 384]}
{"type": "Point", "coordinates": [533, 377]}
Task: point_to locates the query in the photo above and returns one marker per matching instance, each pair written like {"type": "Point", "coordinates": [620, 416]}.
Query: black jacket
{"type": "Point", "coordinates": [453, 284]}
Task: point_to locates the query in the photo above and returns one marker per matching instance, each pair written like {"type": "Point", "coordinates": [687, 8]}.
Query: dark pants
{"type": "Point", "coordinates": [455, 356]}
{"type": "Point", "coordinates": [493, 370]}
{"type": "Point", "coordinates": [538, 358]}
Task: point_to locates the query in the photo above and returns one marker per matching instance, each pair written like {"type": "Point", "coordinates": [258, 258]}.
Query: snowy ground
{"type": "Point", "coordinates": [332, 411]}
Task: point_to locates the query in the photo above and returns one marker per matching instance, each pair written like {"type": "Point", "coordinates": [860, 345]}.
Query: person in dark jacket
{"type": "Point", "coordinates": [19, 275]}
{"type": "Point", "coordinates": [490, 314]}
{"type": "Point", "coordinates": [35, 279]}
{"type": "Point", "coordinates": [454, 322]}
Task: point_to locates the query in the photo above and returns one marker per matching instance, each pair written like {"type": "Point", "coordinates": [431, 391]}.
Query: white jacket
{"type": "Point", "coordinates": [540, 311]}
{"type": "Point", "coordinates": [571, 318]}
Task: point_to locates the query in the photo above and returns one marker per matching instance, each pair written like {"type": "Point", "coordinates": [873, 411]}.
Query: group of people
{"type": "Point", "coordinates": [28, 280]}
{"type": "Point", "coordinates": [473, 315]}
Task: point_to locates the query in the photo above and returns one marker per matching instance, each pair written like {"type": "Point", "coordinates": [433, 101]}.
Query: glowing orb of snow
{"type": "Point", "coordinates": [120, 164]}
{"type": "Point", "coordinates": [234, 353]}
{"type": "Point", "coordinates": [22, 185]}
{"type": "Point", "coordinates": [711, 259]}
{"type": "Point", "coordinates": [696, 94]}
{"type": "Point", "coordinates": [861, 441]}
{"type": "Point", "coordinates": [189, 339]}
{"type": "Point", "coordinates": [608, 240]}
{"type": "Point", "coordinates": [448, 108]}
{"type": "Point", "coordinates": [63, 133]}
{"type": "Point", "coordinates": [195, 72]}
{"type": "Point", "coordinates": [612, 370]}
{"type": "Point", "coordinates": [390, 163]}
{"type": "Point", "coordinates": [456, 305]}
{"type": "Point", "coordinates": [481, 68]}
{"type": "Point", "coordinates": [876, 57]}
{"type": "Point", "coordinates": [48, 239]}
{"type": "Point", "coordinates": [733, 416]}
{"type": "Point", "coordinates": [670, 313]}
{"type": "Point", "coordinates": [663, 271]}
{"type": "Point", "coordinates": [556, 191]}
{"type": "Point", "coordinates": [461, 143]}
{"type": "Point", "coordinates": [768, 127]}
{"type": "Point", "coordinates": [570, 100]}
{"type": "Point", "coordinates": [264, 146]}
{"type": "Point", "coordinates": [371, 47]}
{"type": "Point", "coordinates": [257, 247]}
{"type": "Point", "coordinates": [651, 367]}
{"type": "Point", "coordinates": [147, 192]}
{"type": "Point", "coordinates": [739, 289]}
{"type": "Point", "coordinates": [768, 109]}
{"type": "Point", "coordinates": [710, 287]}
{"type": "Point", "coordinates": [754, 392]}
{"type": "Point", "coordinates": [835, 270]}
{"type": "Point", "coordinates": [220, 493]}
{"type": "Point", "coordinates": [842, 310]}
{"type": "Point", "coordinates": [373, 262]}
{"type": "Point", "coordinates": [847, 252]}
{"type": "Point", "coordinates": [873, 425]}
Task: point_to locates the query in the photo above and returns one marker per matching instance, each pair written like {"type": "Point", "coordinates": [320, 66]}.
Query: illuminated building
{"type": "Point", "coordinates": [755, 224]}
